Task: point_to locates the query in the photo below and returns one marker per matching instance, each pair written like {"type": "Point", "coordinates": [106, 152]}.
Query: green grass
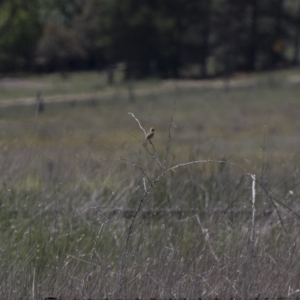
{"type": "Point", "coordinates": [58, 238]}
{"type": "Point", "coordinates": [56, 84]}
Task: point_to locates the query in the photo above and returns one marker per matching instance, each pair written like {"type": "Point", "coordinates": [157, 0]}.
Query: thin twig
{"type": "Point", "coordinates": [144, 183]}
{"type": "Point", "coordinates": [252, 237]}
{"type": "Point", "coordinates": [132, 162]}
{"type": "Point", "coordinates": [206, 237]}
{"type": "Point", "coordinates": [164, 173]}
{"type": "Point", "coordinates": [93, 251]}
{"type": "Point", "coordinates": [141, 142]}
{"type": "Point", "coordinates": [169, 136]}
{"type": "Point", "coordinates": [154, 155]}
{"type": "Point", "coordinates": [252, 233]}
{"type": "Point", "coordinates": [138, 122]}
{"type": "Point", "coordinates": [205, 161]}
{"type": "Point", "coordinates": [124, 255]}
{"type": "Point", "coordinates": [144, 144]}
{"type": "Point", "coordinates": [276, 208]}
{"type": "Point", "coordinates": [263, 158]}
{"type": "Point", "coordinates": [237, 197]}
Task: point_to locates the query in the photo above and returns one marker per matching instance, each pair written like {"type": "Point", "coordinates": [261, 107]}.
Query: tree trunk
{"type": "Point", "coordinates": [276, 54]}
{"type": "Point", "coordinates": [252, 50]}
{"type": "Point", "coordinates": [297, 37]}
{"type": "Point", "coordinates": [206, 36]}
{"type": "Point", "coordinates": [12, 12]}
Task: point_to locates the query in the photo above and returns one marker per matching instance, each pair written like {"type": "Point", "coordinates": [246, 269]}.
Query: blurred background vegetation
{"type": "Point", "coordinates": [170, 38]}
{"type": "Point", "coordinates": [71, 156]}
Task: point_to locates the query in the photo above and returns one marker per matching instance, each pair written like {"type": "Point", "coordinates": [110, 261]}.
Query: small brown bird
{"type": "Point", "coordinates": [150, 134]}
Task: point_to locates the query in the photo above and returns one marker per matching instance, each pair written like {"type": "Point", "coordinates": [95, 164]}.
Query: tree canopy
{"type": "Point", "coordinates": [166, 38]}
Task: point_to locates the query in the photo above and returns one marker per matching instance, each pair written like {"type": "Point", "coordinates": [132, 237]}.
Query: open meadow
{"type": "Point", "coordinates": [91, 210]}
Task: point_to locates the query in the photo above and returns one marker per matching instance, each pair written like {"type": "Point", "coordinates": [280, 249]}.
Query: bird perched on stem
{"type": "Point", "coordinates": [150, 134]}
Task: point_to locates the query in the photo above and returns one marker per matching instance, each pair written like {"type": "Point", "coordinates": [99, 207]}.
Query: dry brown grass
{"type": "Point", "coordinates": [58, 237]}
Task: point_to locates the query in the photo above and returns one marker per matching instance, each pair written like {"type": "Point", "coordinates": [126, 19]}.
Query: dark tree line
{"type": "Point", "coordinates": [166, 38]}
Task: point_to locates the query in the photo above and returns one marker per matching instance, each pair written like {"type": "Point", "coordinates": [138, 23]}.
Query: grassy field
{"type": "Point", "coordinates": [89, 210]}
